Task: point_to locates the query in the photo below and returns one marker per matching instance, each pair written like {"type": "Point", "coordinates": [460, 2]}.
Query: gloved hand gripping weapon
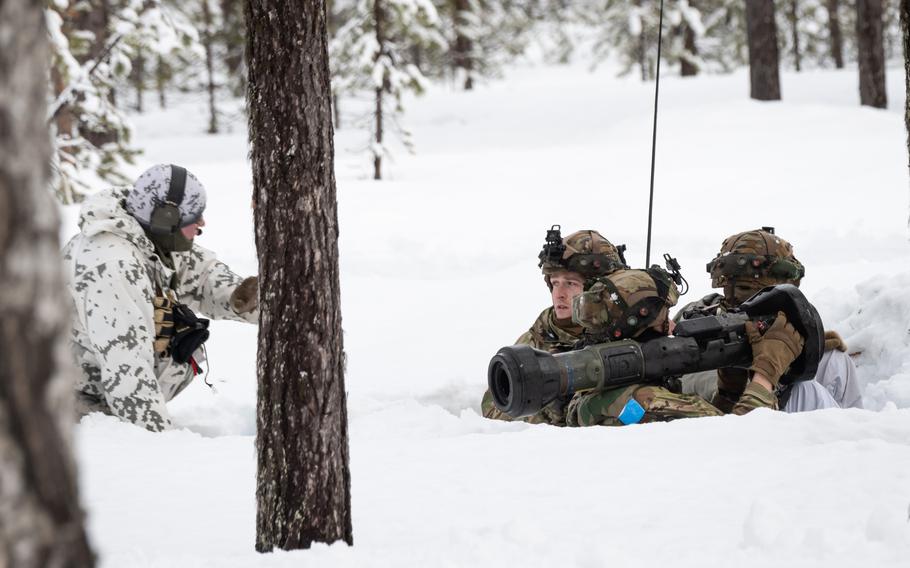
{"type": "Point", "coordinates": [523, 380]}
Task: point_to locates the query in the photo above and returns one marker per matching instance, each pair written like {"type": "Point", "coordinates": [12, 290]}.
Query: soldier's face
{"type": "Point", "coordinates": [190, 231]}
{"type": "Point", "coordinates": [566, 285]}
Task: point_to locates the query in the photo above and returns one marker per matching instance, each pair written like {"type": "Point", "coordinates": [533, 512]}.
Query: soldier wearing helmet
{"type": "Point", "coordinates": [746, 263]}
{"type": "Point", "coordinates": [631, 304]}
{"type": "Point", "coordinates": [568, 264]}
{"type": "Point", "coordinates": [634, 304]}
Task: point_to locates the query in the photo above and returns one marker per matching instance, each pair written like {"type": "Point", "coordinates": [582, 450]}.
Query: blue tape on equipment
{"type": "Point", "coordinates": [631, 413]}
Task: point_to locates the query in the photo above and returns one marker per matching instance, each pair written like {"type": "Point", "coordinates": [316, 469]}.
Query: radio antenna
{"type": "Point", "coordinates": [660, 29]}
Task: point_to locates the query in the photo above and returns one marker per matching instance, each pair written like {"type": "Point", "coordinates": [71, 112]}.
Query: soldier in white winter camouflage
{"type": "Point", "coordinates": [136, 278]}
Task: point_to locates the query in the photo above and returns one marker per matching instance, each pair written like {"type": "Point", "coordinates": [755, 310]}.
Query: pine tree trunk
{"type": "Point", "coordinates": [764, 60]}
{"type": "Point", "coordinates": [303, 484]}
{"type": "Point", "coordinates": [905, 39]}
{"type": "Point", "coordinates": [794, 30]}
{"type": "Point", "coordinates": [233, 29]}
{"type": "Point", "coordinates": [208, 40]}
{"type": "Point", "coordinates": [139, 79]}
{"type": "Point", "coordinates": [687, 68]}
{"type": "Point", "coordinates": [641, 51]}
{"type": "Point", "coordinates": [870, 53]}
{"type": "Point", "coordinates": [162, 74]}
{"type": "Point", "coordinates": [834, 32]}
{"type": "Point", "coordinates": [40, 518]}
{"type": "Point", "coordinates": [97, 20]}
{"type": "Point", "coordinates": [463, 44]}
{"type": "Point", "coordinates": [379, 21]}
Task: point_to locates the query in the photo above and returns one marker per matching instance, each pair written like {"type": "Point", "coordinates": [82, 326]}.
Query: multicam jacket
{"type": "Point", "coordinates": [113, 273]}
{"type": "Point", "coordinates": [605, 407]}
{"type": "Point", "coordinates": [836, 372]}
{"type": "Point", "coordinates": [547, 335]}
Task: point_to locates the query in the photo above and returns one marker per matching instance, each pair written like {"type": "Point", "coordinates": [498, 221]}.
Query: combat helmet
{"type": "Point", "coordinates": [586, 252]}
{"type": "Point", "coordinates": [752, 260]}
{"type": "Point", "coordinates": [626, 304]}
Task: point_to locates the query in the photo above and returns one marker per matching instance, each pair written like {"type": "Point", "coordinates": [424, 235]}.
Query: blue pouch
{"type": "Point", "coordinates": [631, 413]}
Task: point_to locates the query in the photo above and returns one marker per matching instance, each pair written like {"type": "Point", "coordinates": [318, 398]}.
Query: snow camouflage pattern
{"type": "Point", "coordinates": [112, 271]}
{"type": "Point", "coordinates": [151, 188]}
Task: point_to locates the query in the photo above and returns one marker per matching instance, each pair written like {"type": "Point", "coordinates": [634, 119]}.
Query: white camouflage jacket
{"type": "Point", "coordinates": [111, 271]}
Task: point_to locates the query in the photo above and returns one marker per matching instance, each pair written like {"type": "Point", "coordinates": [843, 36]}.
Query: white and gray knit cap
{"type": "Point", "coordinates": [150, 190]}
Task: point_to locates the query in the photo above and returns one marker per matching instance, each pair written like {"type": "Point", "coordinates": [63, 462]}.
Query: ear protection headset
{"type": "Point", "coordinates": [165, 219]}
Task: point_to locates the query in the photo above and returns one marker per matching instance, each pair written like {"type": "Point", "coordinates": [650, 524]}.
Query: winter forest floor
{"type": "Point", "coordinates": [438, 270]}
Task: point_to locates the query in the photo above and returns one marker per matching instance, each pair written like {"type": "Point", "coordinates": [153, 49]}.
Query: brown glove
{"type": "Point", "coordinates": [245, 297]}
{"type": "Point", "coordinates": [834, 341]}
{"type": "Point", "coordinates": [773, 352]}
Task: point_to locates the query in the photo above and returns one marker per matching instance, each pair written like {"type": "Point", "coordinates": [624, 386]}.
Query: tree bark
{"type": "Point", "coordinates": [764, 59]}
{"type": "Point", "coordinates": [794, 30]}
{"type": "Point", "coordinates": [303, 484]}
{"type": "Point", "coordinates": [835, 34]}
{"type": "Point", "coordinates": [40, 518]}
{"type": "Point", "coordinates": [870, 53]}
{"type": "Point", "coordinates": [379, 17]}
{"type": "Point", "coordinates": [139, 79]}
{"type": "Point", "coordinates": [463, 46]}
{"type": "Point", "coordinates": [905, 40]}
{"type": "Point", "coordinates": [162, 77]}
{"type": "Point", "coordinates": [208, 40]}
{"type": "Point", "coordinates": [687, 68]}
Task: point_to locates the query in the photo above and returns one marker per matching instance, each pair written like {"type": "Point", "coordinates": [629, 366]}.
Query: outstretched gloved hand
{"type": "Point", "coordinates": [834, 341]}
{"type": "Point", "coordinates": [245, 297]}
{"type": "Point", "coordinates": [774, 351]}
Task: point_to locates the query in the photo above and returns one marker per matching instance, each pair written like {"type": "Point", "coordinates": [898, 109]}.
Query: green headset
{"type": "Point", "coordinates": [165, 219]}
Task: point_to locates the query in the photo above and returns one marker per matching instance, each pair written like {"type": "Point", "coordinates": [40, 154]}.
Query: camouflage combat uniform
{"type": "Point", "coordinates": [834, 386]}
{"type": "Point", "coordinates": [113, 273]}
{"type": "Point", "coordinates": [546, 334]}
{"type": "Point", "coordinates": [747, 262]}
{"type": "Point", "coordinates": [630, 304]}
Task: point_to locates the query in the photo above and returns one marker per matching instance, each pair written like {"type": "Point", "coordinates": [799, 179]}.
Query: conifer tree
{"type": "Point", "coordinates": [764, 60]}
{"type": "Point", "coordinates": [303, 491]}
{"type": "Point", "coordinates": [41, 523]}
{"type": "Point", "coordinates": [371, 53]}
{"type": "Point", "coordinates": [871, 53]}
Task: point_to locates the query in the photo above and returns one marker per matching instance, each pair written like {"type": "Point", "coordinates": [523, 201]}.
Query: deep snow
{"type": "Point", "coordinates": [438, 270]}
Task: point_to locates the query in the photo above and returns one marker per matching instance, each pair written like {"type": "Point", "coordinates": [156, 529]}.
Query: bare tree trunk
{"type": "Point", "coordinates": [207, 41]}
{"type": "Point", "coordinates": [336, 112]}
{"type": "Point", "coordinates": [642, 51]}
{"type": "Point", "coordinates": [793, 16]}
{"type": "Point", "coordinates": [162, 76]}
{"type": "Point", "coordinates": [303, 485]}
{"type": "Point", "coordinates": [464, 59]}
{"type": "Point", "coordinates": [905, 39]}
{"type": "Point", "coordinates": [40, 518]}
{"type": "Point", "coordinates": [834, 32]}
{"type": "Point", "coordinates": [231, 35]}
{"type": "Point", "coordinates": [96, 19]}
{"type": "Point", "coordinates": [870, 53]}
{"type": "Point", "coordinates": [764, 59]}
{"type": "Point", "coordinates": [139, 79]}
{"type": "Point", "coordinates": [687, 68]}
{"type": "Point", "coordinates": [379, 17]}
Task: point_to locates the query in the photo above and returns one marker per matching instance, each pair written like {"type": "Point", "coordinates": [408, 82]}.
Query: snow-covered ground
{"type": "Point", "coordinates": [438, 270]}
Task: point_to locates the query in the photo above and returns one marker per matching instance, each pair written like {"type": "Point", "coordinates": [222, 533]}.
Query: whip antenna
{"type": "Point", "coordinates": [660, 30]}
